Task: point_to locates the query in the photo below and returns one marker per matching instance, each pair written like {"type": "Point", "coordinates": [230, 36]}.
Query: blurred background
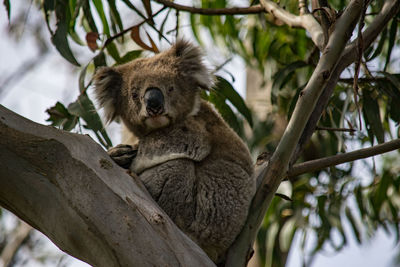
{"type": "Point", "coordinates": [346, 215]}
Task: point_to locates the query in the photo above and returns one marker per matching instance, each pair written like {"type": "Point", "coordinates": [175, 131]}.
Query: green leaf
{"type": "Point", "coordinates": [163, 25]}
{"type": "Point", "coordinates": [59, 38]}
{"type": "Point", "coordinates": [59, 116]}
{"type": "Point", "coordinates": [281, 76]}
{"type": "Point", "coordinates": [380, 194]}
{"type": "Point", "coordinates": [149, 12]}
{"type": "Point", "coordinates": [82, 76]}
{"type": "Point", "coordinates": [129, 4]}
{"type": "Point", "coordinates": [227, 90]}
{"type": "Point", "coordinates": [286, 234]}
{"type": "Point", "coordinates": [360, 202]}
{"type": "Point", "coordinates": [99, 60]}
{"type": "Point", "coordinates": [100, 10]}
{"type": "Point", "coordinates": [129, 56]}
{"type": "Point", "coordinates": [115, 17]}
{"type": "Point", "coordinates": [395, 215]}
{"type": "Point", "coordinates": [48, 6]}
{"type": "Point", "coordinates": [394, 79]}
{"type": "Point", "coordinates": [74, 6]}
{"type": "Point", "coordinates": [372, 117]}
{"type": "Point", "coordinates": [353, 224]}
{"type": "Point", "coordinates": [8, 8]}
{"type": "Point", "coordinates": [83, 107]}
{"type": "Point", "coordinates": [113, 51]}
{"type": "Point", "coordinates": [392, 39]}
{"type": "Point", "coordinates": [393, 91]}
{"type": "Point", "coordinates": [194, 24]}
{"type": "Point", "coordinates": [379, 48]}
{"type": "Point", "coordinates": [225, 110]}
{"type": "Point", "coordinates": [88, 16]}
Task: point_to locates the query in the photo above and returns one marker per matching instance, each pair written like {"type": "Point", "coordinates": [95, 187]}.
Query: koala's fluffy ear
{"type": "Point", "coordinates": [190, 63]}
{"type": "Point", "coordinates": [108, 82]}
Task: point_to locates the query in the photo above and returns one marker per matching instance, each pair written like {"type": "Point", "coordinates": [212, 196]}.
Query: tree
{"type": "Point", "coordinates": [309, 90]}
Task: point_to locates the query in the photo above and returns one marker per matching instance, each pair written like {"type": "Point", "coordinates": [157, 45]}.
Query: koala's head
{"type": "Point", "coordinates": [151, 93]}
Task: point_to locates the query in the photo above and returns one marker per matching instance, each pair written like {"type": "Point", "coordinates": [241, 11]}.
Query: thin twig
{"type": "Point", "coordinates": [223, 64]}
{"type": "Point", "coordinates": [318, 164]}
{"type": "Point", "coordinates": [367, 80]}
{"type": "Point", "coordinates": [112, 38]}
{"type": "Point", "coordinates": [335, 129]}
{"type": "Point", "coordinates": [360, 47]}
{"type": "Point", "coordinates": [213, 11]}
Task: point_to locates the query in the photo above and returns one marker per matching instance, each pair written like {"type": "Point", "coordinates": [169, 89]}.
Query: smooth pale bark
{"type": "Point", "coordinates": [67, 187]}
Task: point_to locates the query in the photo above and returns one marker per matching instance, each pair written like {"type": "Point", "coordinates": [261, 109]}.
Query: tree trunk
{"type": "Point", "coordinates": [67, 187]}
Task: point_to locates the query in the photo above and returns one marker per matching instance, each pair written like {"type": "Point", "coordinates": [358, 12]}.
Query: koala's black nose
{"type": "Point", "coordinates": [154, 100]}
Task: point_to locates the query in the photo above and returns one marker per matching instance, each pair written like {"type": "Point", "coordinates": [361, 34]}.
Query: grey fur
{"type": "Point", "coordinates": [195, 166]}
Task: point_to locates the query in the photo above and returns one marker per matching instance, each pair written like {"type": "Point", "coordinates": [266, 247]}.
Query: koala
{"type": "Point", "coordinates": [192, 163]}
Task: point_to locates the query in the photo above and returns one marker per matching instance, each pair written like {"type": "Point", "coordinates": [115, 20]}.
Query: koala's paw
{"type": "Point", "coordinates": [123, 155]}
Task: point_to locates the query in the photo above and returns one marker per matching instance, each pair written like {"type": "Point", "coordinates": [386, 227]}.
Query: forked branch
{"type": "Point", "coordinates": [305, 21]}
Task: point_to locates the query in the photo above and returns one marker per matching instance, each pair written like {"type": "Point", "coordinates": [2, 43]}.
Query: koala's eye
{"type": "Point", "coordinates": [171, 89]}
{"type": "Point", "coordinates": [135, 95]}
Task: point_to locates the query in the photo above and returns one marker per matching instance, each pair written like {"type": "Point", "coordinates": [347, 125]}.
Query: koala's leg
{"type": "Point", "coordinates": [172, 185]}
{"type": "Point", "coordinates": [123, 154]}
{"type": "Point", "coordinates": [224, 191]}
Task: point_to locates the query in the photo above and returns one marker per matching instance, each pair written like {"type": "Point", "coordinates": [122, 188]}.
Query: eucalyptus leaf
{"type": "Point", "coordinates": [372, 117]}
{"type": "Point", "coordinates": [281, 76]}
{"type": "Point", "coordinates": [392, 39]}
{"type": "Point", "coordinates": [226, 89]}
{"type": "Point", "coordinates": [226, 112]}
{"type": "Point", "coordinates": [88, 16]}
{"type": "Point", "coordinates": [83, 107]}
{"type": "Point", "coordinates": [7, 5]}
{"type": "Point", "coordinates": [59, 116]}
{"type": "Point", "coordinates": [100, 10]}
{"type": "Point", "coordinates": [353, 224]}
{"type": "Point", "coordinates": [59, 38]}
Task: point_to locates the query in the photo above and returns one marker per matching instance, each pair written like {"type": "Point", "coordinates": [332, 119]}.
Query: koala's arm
{"type": "Point", "coordinates": [123, 154]}
{"type": "Point", "coordinates": [184, 141]}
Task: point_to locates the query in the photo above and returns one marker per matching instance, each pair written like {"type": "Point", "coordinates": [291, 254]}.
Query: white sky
{"type": "Point", "coordinates": [54, 81]}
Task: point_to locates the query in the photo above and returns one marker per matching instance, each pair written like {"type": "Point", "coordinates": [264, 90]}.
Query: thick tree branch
{"type": "Point", "coordinates": [213, 11]}
{"type": "Point", "coordinates": [318, 164]}
{"type": "Point", "coordinates": [306, 21]}
{"type": "Point", "coordinates": [67, 187]}
{"type": "Point", "coordinates": [389, 9]}
{"type": "Point", "coordinates": [272, 175]}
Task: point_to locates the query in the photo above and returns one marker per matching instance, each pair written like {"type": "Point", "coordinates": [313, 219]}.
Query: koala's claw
{"type": "Point", "coordinates": [123, 155]}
